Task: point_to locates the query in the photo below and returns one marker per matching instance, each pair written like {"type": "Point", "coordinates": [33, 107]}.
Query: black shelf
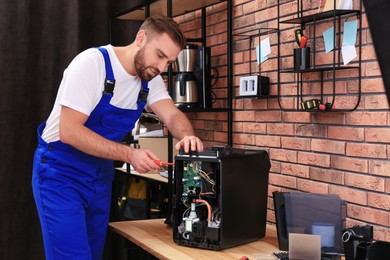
{"type": "Point", "coordinates": [256, 97]}
{"type": "Point", "coordinates": [256, 32]}
{"type": "Point", "coordinates": [138, 12]}
{"type": "Point", "coordinates": [320, 16]}
{"type": "Point", "coordinates": [320, 69]}
{"type": "Point", "coordinates": [334, 17]}
{"type": "Point", "coordinates": [199, 109]}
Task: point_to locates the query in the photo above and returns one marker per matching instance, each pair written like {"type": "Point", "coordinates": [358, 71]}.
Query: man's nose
{"type": "Point", "coordinates": [162, 66]}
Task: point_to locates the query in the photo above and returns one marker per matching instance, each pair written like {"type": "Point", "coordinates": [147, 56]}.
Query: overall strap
{"type": "Point", "coordinates": [143, 93]}
{"type": "Point", "coordinates": [109, 82]}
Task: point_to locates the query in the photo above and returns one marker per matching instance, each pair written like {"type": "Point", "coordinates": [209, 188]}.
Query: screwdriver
{"type": "Point", "coordinates": [161, 163]}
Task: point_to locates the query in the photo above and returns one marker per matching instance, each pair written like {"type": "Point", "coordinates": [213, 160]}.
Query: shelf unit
{"type": "Point", "coordinates": [171, 8]}
{"type": "Point", "coordinates": [252, 35]}
{"type": "Point", "coordinates": [138, 11]}
{"type": "Point", "coordinates": [335, 16]}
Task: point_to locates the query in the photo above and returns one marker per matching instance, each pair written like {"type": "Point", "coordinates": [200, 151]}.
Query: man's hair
{"type": "Point", "coordinates": [162, 24]}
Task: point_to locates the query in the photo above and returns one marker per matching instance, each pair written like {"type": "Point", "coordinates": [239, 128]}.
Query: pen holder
{"type": "Point", "coordinates": [302, 58]}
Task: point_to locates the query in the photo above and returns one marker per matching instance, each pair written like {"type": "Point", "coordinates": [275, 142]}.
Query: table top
{"type": "Point", "coordinates": [155, 176]}
{"type": "Point", "coordinates": [155, 237]}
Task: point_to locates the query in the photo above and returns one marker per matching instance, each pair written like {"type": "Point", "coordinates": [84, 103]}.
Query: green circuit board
{"type": "Point", "coordinates": [191, 179]}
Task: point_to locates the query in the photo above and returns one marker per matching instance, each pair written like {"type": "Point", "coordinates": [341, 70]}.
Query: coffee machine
{"type": "Point", "coordinates": [192, 87]}
{"type": "Point", "coordinates": [185, 89]}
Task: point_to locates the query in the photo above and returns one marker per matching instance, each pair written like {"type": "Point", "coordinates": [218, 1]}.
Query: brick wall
{"type": "Point", "coordinates": [344, 153]}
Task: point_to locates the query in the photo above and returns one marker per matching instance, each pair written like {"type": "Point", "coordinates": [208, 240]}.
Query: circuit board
{"type": "Point", "coordinates": [192, 183]}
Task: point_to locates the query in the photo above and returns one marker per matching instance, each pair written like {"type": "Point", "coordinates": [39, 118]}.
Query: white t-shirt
{"type": "Point", "coordinates": [82, 86]}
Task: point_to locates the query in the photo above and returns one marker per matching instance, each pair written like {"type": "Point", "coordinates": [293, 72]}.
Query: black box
{"type": "Point", "coordinates": [220, 197]}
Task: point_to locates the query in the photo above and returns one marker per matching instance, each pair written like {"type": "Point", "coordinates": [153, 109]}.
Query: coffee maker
{"type": "Point", "coordinates": [185, 89]}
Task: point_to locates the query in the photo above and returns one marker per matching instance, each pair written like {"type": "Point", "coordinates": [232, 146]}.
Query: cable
{"type": "Point", "coordinates": [208, 208]}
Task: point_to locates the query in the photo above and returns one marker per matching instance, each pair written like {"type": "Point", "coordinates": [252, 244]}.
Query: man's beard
{"type": "Point", "coordinates": [142, 70]}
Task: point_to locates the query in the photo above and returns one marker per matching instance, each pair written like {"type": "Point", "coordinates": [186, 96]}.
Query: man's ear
{"type": "Point", "coordinates": [140, 38]}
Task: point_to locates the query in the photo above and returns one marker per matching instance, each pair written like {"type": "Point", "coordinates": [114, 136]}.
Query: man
{"type": "Point", "coordinates": [102, 94]}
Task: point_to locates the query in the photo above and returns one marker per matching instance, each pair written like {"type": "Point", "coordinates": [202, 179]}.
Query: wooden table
{"type": "Point", "coordinates": [154, 236]}
{"type": "Point", "coordinates": [154, 176]}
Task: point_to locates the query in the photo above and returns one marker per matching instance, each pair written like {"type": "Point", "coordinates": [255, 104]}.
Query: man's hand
{"type": "Point", "coordinates": [143, 160]}
{"type": "Point", "coordinates": [190, 143]}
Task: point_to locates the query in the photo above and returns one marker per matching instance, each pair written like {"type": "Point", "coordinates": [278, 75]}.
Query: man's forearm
{"type": "Point", "coordinates": [180, 126]}
{"type": "Point", "coordinates": [91, 143]}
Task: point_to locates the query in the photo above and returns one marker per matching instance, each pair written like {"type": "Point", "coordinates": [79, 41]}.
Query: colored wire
{"type": "Point", "coordinates": [208, 208]}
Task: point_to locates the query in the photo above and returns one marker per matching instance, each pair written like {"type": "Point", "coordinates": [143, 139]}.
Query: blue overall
{"type": "Point", "coordinates": [72, 190]}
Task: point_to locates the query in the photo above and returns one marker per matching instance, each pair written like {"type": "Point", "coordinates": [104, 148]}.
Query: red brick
{"type": "Point", "coordinates": [382, 233]}
{"type": "Point", "coordinates": [387, 187]}
{"type": "Point", "coordinates": [328, 146]}
{"type": "Point", "coordinates": [216, 39]}
{"type": "Point", "coordinates": [367, 118]}
{"type": "Point", "coordinates": [371, 69]}
{"type": "Point", "coordinates": [376, 102]}
{"type": "Point", "coordinates": [380, 201]}
{"type": "Point", "coordinates": [251, 104]}
{"type": "Point", "coordinates": [282, 180]}
{"type": "Point", "coordinates": [296, 143]}
{"type": "Point", "coordinates": [366, 150]}
{"type": "Point", "coordinates": [256, 128]}
{"type": "Point", "coordinates": [311, 130]}
{"type": "Point", "coordinates": [314, 159]}
{"type": "Point", "coordinates": [367, 214]}
{"type": "Point", "coordinates": [268, 116]}
{"type": "Point", "coordinates": [365, 182]}
{"type": "Point", "coordinates": [275, 167]}
{"type": "Point", "coordinates": [373, 85]}
{"type": "Point", "coordinates": [209, 116]}
{"type": "Point", "coordinates": [312, 186]}
{"type": "Point", "coordinates": [368, 52]}
{"type": "Point", "coordinates": [244, 139]}
{"type": "Point", "coordinates": [379, 167]}
{"type": "Point", "coordinates": [250, 7]}
{"type": "Point", "coordinates": [329, 118]}
{"type": "Point", "coordinates": [271, 216]}
{"type": "Point", "coordinates": [346, 133]}
{"type": "Point", "coordinates": [213, 125]}
{"type": "Point", "coordinates": [349, 164]}
{"type": "Point", "coordinates": [377, 135]}
{"type": "Point", "coordinates": [349, 194]}
{"type": "Point", "coordinates": [296, 117]}
{"type": "Point", "coordinates": [238, 127]}
{"type": "Point", "coordinates": [205, 135]}
{"type": "Point", "coordinates": [244, 116]}
{"type": "Point", "coordinates": [283, 155]}
{"type": "Point", "coordinates": [267, 141]}
{"type": "Point", "coordinates": [325, 175]}
{"type": "Point", "coordinates": [220, 137]}
{"type": "Point", "coordinates": [198, 124]}
{"type": "Point", "coordinates": [280, 129]}
{"type": "Point", "coordinates": [295, 170]}
{"type": "Point", "coordinates": [388, 152]}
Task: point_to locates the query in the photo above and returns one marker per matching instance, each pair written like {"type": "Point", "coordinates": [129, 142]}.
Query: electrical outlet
{"type": "Point", "coordinates": [248, 85]}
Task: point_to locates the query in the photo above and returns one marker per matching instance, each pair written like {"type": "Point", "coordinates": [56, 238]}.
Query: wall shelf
{"type": "Point", "coordinates": [320, 16]}
{"type": "Point", "coordinates": [251, 35]}
{"type": "Point", "coordinates": [334, 17]}
{"type": "Point", "coordinates": [256, 97]}
{"type": "Point", "coordinates": [317, 69]}
{"type": "Point", "coordinates": [159, 7]}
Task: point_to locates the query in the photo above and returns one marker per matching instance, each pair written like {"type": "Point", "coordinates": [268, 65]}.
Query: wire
{"type": "Point", "coordinates": [208, 208]}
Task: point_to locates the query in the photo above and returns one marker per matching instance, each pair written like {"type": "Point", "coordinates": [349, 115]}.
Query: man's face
{"type": "Point", "coordinates": [155, 56]}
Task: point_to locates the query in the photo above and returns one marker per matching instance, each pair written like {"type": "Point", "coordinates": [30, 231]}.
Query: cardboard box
{"type": "Point", "coordinates": [158, 145]}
